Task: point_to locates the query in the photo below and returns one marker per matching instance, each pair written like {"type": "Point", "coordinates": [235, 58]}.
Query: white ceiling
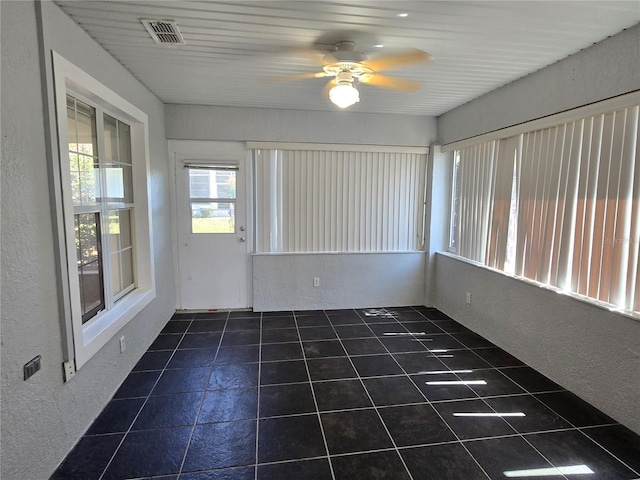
{"type": "Point", "coordinates": [233, 46]}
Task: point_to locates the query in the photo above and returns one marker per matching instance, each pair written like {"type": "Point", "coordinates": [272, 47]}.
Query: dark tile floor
{"type": "Point", "coordinates": [397, 393]}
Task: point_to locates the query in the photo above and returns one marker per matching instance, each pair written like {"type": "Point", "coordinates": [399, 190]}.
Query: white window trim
{"type": "Point", "coordinates": [88, 339]}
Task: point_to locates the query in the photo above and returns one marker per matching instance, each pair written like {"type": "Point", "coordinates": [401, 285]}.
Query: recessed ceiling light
{"type": "Point", "coordinates": [402, 15]}
{"type": "Point", "coordinates": [379, 45]}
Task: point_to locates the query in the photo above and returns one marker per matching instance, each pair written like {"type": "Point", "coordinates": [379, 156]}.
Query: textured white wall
{"type": "Point", "coordinates": [197, 122]}
{"type": "Point", "coordinates": [43, 417]}
{"type": "Point", "coordinates": [347, 280]}
{"type": "Point", "coordinates": [589, 350]}
{"type": "Point", "coordinates": [607, 69]}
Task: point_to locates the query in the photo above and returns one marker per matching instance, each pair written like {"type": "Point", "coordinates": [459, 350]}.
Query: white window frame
{"type": "Point", "coordinates": [89, 338]}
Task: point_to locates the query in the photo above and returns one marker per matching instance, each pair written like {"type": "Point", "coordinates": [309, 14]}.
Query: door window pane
{"type": "Point", "coordinates": [212, 217]}
{"type": "Point", "coordinates": [212, 184]}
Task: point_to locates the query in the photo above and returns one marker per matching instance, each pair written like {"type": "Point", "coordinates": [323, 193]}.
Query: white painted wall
{"type": "Point", "coordinates": [282, 281]}
{"type": "Point", "coordinates": [607, 69]}
{"type": "Point", "coordinates": [347, 280]}
{"type": "Point", "coordinates": [589, 350]}
{"type": "Point", "coordinates": [197, 122]}
{"type": "Point", "coordinates": [42, 418]}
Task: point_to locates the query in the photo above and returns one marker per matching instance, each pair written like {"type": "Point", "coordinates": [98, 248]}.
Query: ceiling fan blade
{"type": "Point", "coordinates": [392, 83]}
{"type": "Point", "coordinates": [296, 76]}
{"type": "Point", "coordinates": [389, 62]}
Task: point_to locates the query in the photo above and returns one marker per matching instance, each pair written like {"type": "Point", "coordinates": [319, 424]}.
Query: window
{"type": "Point", "coordinates": [212, 193]}
{"type": "Point", "coordinates": [323, 200]}
{"type": "Point", "coordinates": [103, 210]}
{"type": "Point", "coordinates": [559, 205]}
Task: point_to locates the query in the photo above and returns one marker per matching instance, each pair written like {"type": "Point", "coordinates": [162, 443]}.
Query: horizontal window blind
{"type": "Point", "coordinates": [577, 225]}
{"type": "Point", "coordinates": [338, 201]}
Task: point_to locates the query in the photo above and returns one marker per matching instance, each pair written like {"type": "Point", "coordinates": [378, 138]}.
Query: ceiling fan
{"type": "Point", "coordinates": [348, 66]}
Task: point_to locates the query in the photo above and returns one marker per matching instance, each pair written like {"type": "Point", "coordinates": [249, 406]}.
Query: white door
{"type": "Point", "coordinates": [211, 212]}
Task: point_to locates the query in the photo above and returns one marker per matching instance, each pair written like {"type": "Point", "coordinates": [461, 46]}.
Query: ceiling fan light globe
{"type": "Point", "coordinates": [344, 95]}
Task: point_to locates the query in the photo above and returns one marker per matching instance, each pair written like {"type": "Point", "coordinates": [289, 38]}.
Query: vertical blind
{"type": "Point", "coordinates": [338, 201]}
{"type": "Point", "coordinates": [578, 205]}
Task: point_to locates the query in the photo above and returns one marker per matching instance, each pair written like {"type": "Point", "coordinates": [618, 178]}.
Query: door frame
{"type": "Point", "coordinates": [211, 151]}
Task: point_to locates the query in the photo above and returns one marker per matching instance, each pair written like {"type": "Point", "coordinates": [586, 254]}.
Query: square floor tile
{"type": "Point", "coordinates": [317, 333]}
{"type": "Point", "coordinates": [463, 359]}
{"type": "Point", "coordinates": [192, 358]}
{"type": "Point", "coordinates": [498, 357]}
{"type": "Point", "coordinates": [88, 458]}
{"type": "Point", "coordinates": [363, 346]}
{"type": "Point", "coordinates": [176, 327]}
{"type": "Point", "coordinates": [442, 341]}
{"type": "Point", "coordinates": [234, 376]}
{"type": "Point", "coordinates": [500, 455]}
{"type": "Point", "coordinates": [354, 431]}
{"type": "Point", "coordinates": [353, 331]}
{"type": "Point", "coordinates": [286, 400]}
{"type": "Point", "coordinates": [117, 416]}
{"type": "Point", "coordinates": [574, 448]}
{"type": "Point", "coordinates": [387, 329]}
{"type": "Point", "coordinates": [242, 323]}
{"type": "Point", "coordinates": [166, 342]}
{"type": "Point", "coordinates": [233, 473]}
{"type": "Point", "coordinates": [153, 360]}
{"type": "Point", "coordinates": [435, 391]}
{"type": "Point", "coordinates": [620, 441]}
{"type": "Point", "coordinates": [344, 319]}
{"type": "Point", "coordinates": [312, 321]}
{"type": "Point", "coordinates": [415, 425]}
{"type": "Point", "coordinates": [472, 340]}
{"type": "Point", "coordinates": [393, 390]}
{"type": "Point", "coordinates": [137, 384]}
{"type": "Point", "coordinates": [162, 411]}
{"type": "Point", "coordinates": [221, 445]}
{"type": "Point", "coordinates": [200, 340]}
{"type": "Point", "coordinates": [472, 427]}
{"type": "Point", "coordinates": [442, 462]}
{"type": "Point", "coordinates": [290, 438]}
{"type": "Point", "coordinates": [238, 354]}
{"type": "Point", "coordinates": [402, 344]}
{"type": "Point", "coordinates": [222, 315]}
{"type": "Point", "coordinates": [293, 371]}
{"type": "Point", "coordinates": [538, 417]}
{"type": "Point", "coordinates": [182, 316]}
{"type": "Point", "coordinates": [280, 335]}
{"type": "Point", "coordinates": [419, 362]}
{"type": "Point", "coordinates": [323, 348]}
{"type": "Point", "coordinates": [530, 380]}
{"type": "Point", "coordinates": [573, 409]}
{"type": "Point", "coordinates": [317, 469]}
{"type": "Point", "coordinates": [496, 383]}
{"type": "Point", "coordinates": [229, 405]}
{"type": "Point", "coordinates": [341, 395]}
{"type": "Point", "coordinates": [421, 328]}
{"type": "Point", "coordinates": [278, 322]}
{"type": "Point", "coordinates": [370, 466]}
{"type": "Point", "coordinates": [148, 453]}
{"type": "Point", "coordinates": [241, 337]}
{"type": "Point", "coordinates": [451, 326]}
{"type": "Point", "coordinates": [234, 314]}
{"type": "Point", "coordinates": [182, 380]}
{"type": "Point", "coordinates": [281, 351]}
{"type": "Point", "coordinates": [376, 365]}
{"type": "Point", "coordinates": [207, 326]}
{"type": "Point", "coordinates": [330, 368]}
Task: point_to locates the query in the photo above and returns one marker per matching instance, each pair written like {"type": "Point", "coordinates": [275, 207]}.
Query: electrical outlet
{"type": "Point", "coordinates": [31, 367]}
{"type": "Point", "coordinates": [468, 298]}
{"type": "Point", "coordinates": [123, 345]}
{"type": "Point", "coordinates": [316, 282]}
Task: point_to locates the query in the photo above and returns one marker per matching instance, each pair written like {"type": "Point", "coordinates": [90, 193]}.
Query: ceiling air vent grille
{"type": "Point", "coordinates": [164, 32]}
